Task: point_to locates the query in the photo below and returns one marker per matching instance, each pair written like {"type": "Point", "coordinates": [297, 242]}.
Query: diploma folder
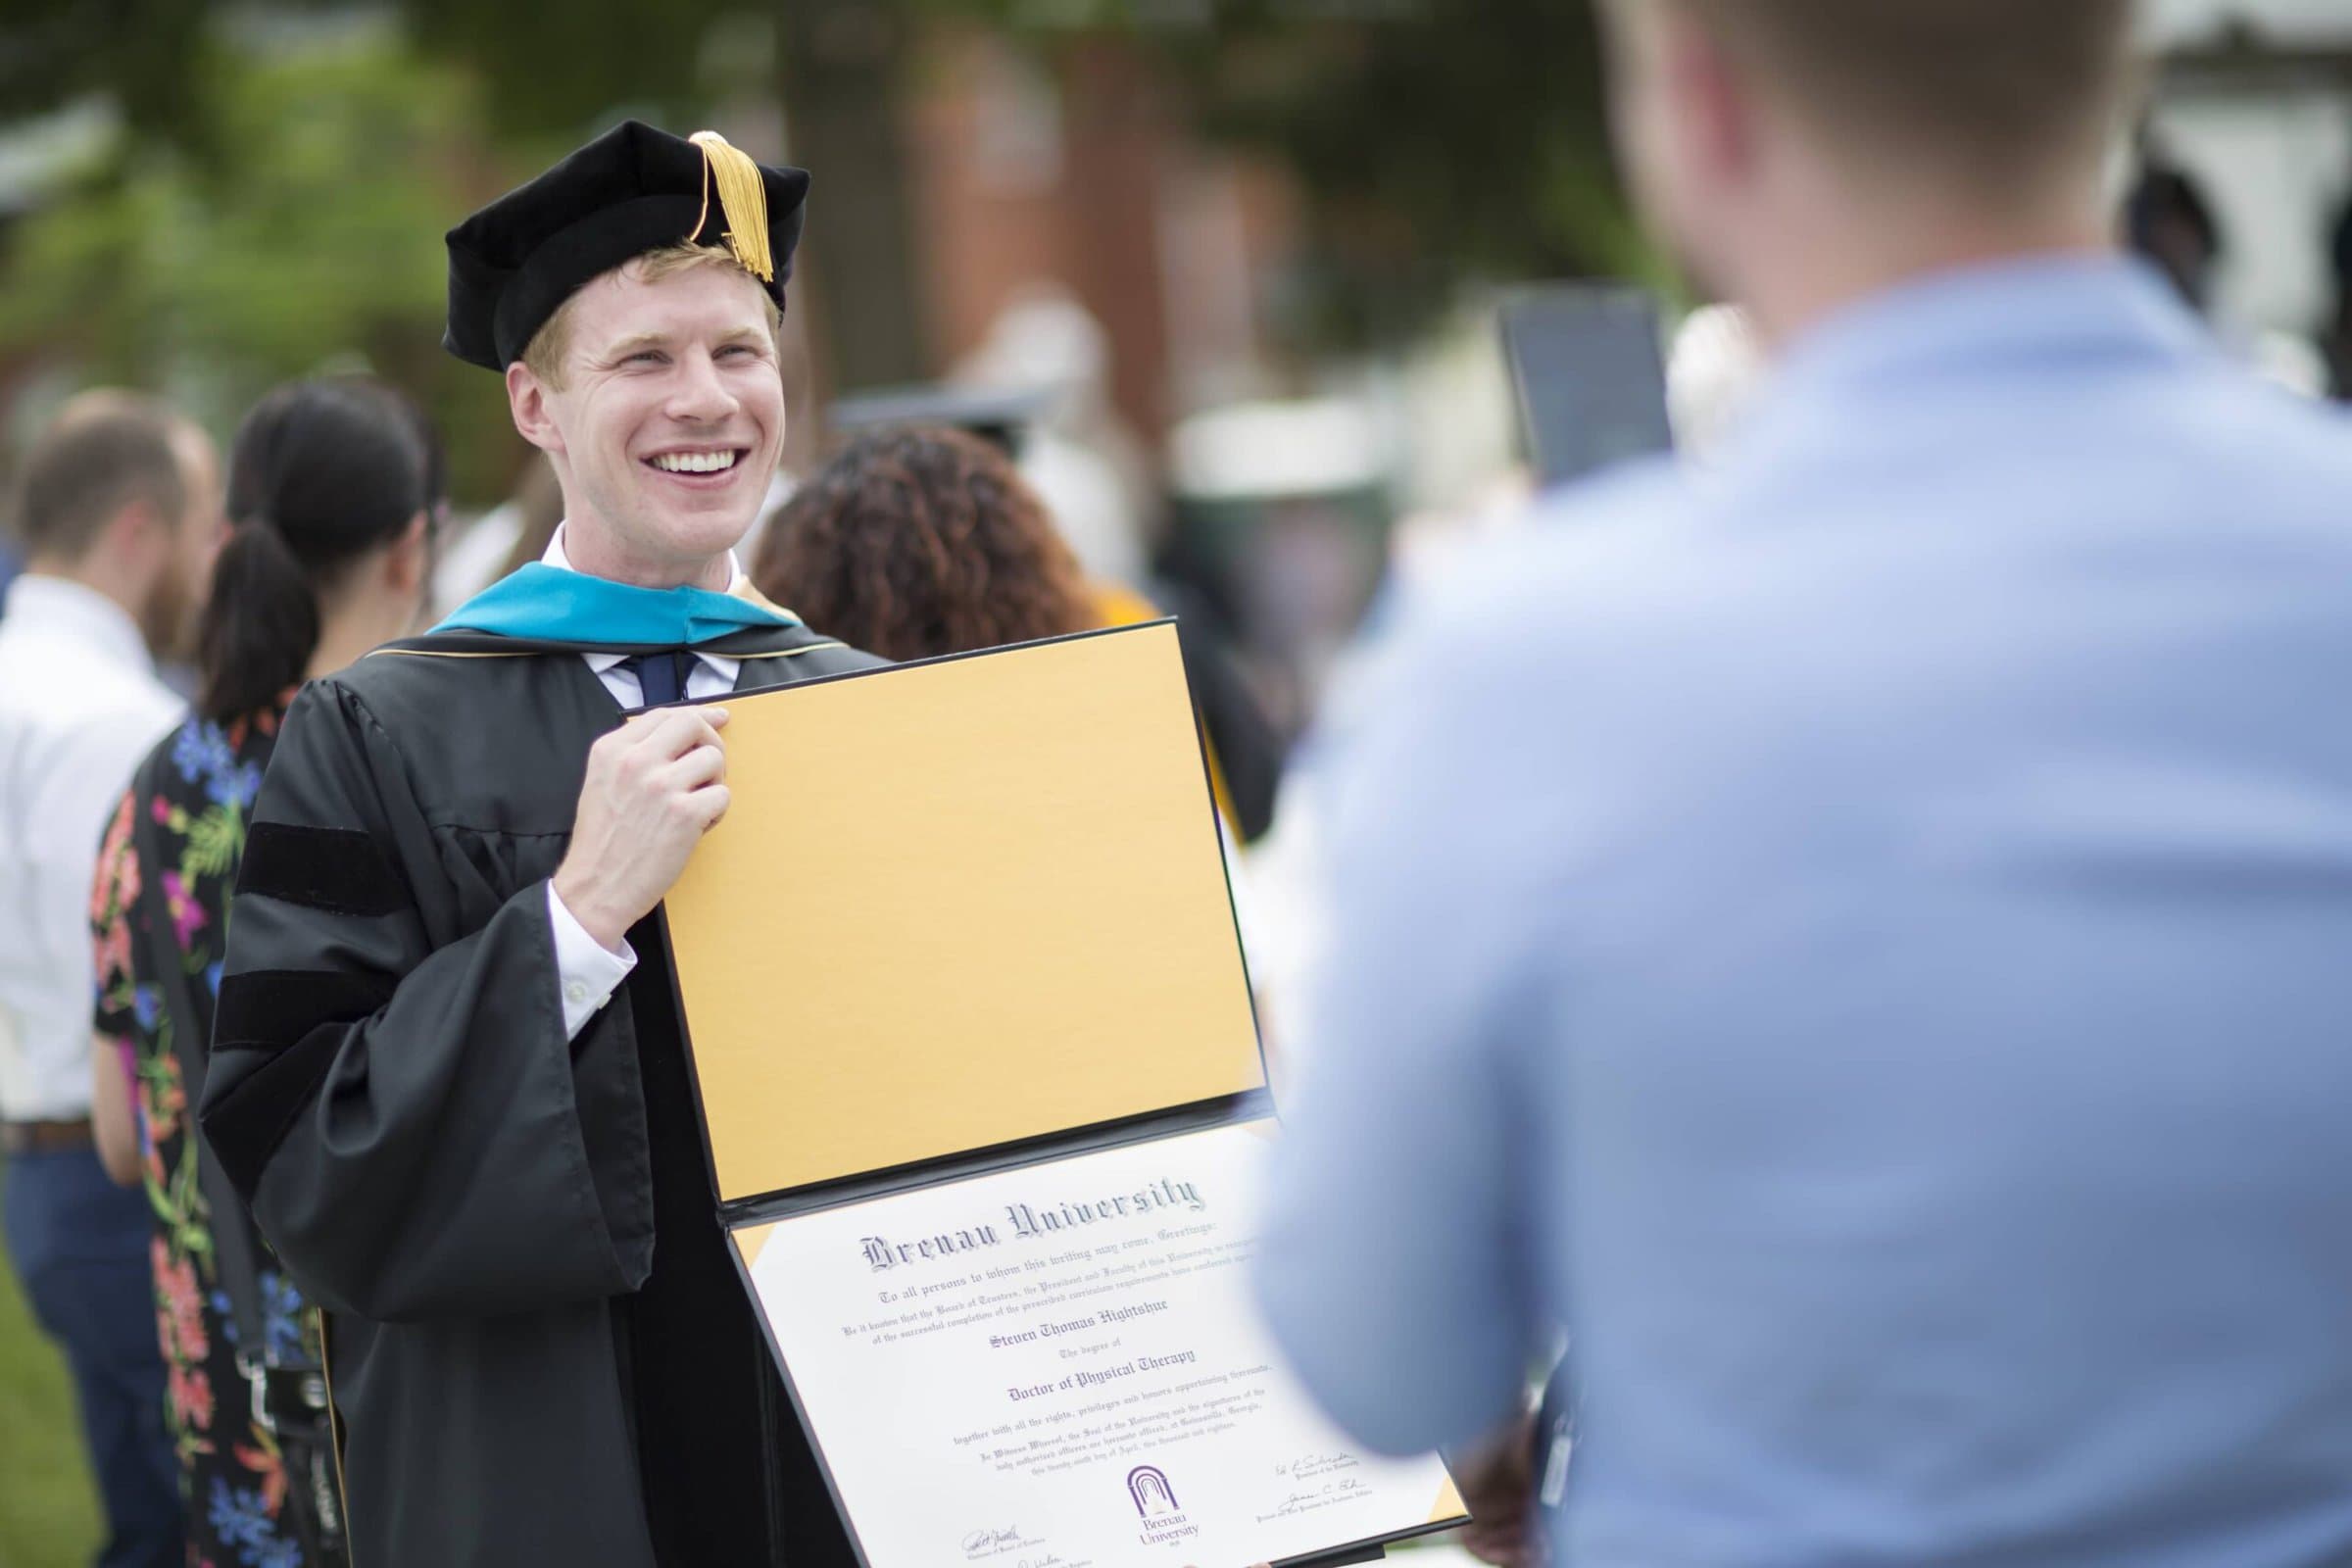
{"type": "Point", "coordinates": [964, 915]}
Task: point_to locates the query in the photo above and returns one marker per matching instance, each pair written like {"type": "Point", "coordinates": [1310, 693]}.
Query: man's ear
{"type": "Point", "coordinates": [1716, 107]}
{"type": "Point", "coordinates": [528, 399]}
{"type": "Point", "coordinates": [138, 532]}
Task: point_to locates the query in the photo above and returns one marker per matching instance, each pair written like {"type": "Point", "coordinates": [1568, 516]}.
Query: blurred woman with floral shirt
{"type": "Point", "coordinates": [332, 488]}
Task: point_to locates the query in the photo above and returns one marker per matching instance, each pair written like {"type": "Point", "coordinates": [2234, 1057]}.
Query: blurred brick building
{"type": "Point", "coordinates": [1082, 174]}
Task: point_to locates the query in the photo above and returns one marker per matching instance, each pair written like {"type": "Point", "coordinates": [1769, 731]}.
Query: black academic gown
{"type": "Point", "coordinates": [538, 1347]}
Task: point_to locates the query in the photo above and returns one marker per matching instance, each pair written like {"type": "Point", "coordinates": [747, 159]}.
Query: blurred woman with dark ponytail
{"type": "Point", "coordinates": [330, 517]}
{"type": "Point", "coordinates": [333, 487]}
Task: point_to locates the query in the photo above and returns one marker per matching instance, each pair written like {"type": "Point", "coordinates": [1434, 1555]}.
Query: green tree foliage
{"type": "Point", "coordinates": [310, 249]}
{"type": "Point", "coordinates": [1435, 141]}
{"type": "Point", "coordinates": [147, 55]}
{"type": "Point", "coordinates": [557, 70]}
{"type": "Point", "coordinates": [273, 203]}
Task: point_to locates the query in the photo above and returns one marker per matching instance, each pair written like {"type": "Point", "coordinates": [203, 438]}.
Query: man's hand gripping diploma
{"type": "Point", "coordinates": [655, 786]}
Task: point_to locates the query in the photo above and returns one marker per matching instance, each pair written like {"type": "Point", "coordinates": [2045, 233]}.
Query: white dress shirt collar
{"type": "Point", "coordinates": [600, 662]}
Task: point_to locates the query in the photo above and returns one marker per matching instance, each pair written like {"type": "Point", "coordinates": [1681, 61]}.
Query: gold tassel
{"type": "Point", "coordinates": [742, 201]}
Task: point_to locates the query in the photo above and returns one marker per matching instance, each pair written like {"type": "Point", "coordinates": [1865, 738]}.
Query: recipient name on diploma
{"type": "Point", "coordinates": [1022, 1222]}
{"type": "Point", "coordinates": [1102, 1315]}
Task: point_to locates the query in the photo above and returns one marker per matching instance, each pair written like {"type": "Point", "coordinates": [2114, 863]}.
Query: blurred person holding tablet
{"type": "Point", "coordinates": [1859, 934]}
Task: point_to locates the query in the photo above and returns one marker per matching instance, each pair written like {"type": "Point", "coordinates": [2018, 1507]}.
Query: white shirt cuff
{"type": "Point", "coordinates": [587, 972]}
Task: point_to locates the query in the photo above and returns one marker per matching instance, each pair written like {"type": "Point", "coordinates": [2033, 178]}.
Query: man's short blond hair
{"type": "Point", "coordinates": [105, 450]}
{"type": "Point", "coordinates": [550, 348]}
{"type": "Point", "coordinates": [1993, 91]}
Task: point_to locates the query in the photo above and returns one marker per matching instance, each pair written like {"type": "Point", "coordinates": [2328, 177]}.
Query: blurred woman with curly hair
{"type": "Point", "coordinates": [917, 542]}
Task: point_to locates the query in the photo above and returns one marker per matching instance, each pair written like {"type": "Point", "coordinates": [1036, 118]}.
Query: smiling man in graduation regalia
{"type": "Point", "coordinates": [448, 1071]}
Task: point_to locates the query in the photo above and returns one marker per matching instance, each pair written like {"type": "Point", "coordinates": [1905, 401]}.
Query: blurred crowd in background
{"type": "Point", "coordinates": [1224, 277]}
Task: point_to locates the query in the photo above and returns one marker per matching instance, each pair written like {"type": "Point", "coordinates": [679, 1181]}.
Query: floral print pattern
{"type": "Point", "coordinates": [197, 791]}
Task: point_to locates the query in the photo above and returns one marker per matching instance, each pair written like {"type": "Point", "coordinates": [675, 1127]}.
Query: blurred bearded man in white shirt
{"type": "Point", "coordinates": [119, 518]}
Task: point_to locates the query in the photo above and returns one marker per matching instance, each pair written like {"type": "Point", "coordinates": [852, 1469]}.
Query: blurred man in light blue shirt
{"type": "Point", "coordinates": [1863, 936]}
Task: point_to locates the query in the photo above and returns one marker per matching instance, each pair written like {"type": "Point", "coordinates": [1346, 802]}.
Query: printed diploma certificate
{"type": "Point", "coordinates": [1059, 1364]}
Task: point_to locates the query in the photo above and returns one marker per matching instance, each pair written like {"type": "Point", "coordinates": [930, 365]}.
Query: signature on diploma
{"type": "Point", "coordinates": [1306, 1467]}
{"type": "Point", "coordinates": [981, 1545]}
{"type": "Point", "coordinates": [1346, 1488]}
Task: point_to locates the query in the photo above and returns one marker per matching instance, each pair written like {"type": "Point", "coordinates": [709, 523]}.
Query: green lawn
{"type": "Point", "coordinates": [48, 1513]}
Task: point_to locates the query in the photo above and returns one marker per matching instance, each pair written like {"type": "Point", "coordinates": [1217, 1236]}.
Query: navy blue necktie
{"type": "Point", "coordinates": [660, 678]}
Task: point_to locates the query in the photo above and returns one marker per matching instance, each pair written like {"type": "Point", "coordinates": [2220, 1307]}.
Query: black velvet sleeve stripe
{"type": "Point", "coordinates": [269, 1009]}
{"type": "Point", "coordinates": [338, 869]}
{"type": "Point", "coordinates": [246, 1126]}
